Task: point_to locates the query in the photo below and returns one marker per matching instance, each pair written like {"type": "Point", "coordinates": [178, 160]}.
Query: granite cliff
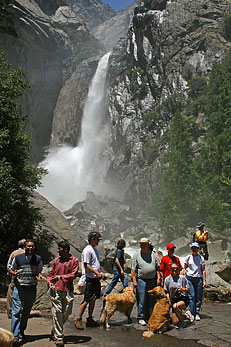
{"type": "Point", "coordinates": [48, 36]}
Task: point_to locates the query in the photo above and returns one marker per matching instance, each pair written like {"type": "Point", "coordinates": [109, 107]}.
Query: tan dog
{"type": "Point", "coordinates": [6, 338]}
{"type": "Point", "coordinates": [158, 321]}
{"type": "Point", "coordinates": [117, 302]}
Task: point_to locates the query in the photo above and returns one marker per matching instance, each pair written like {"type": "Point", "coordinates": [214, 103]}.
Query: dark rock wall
{"type": "Point", "coordinates": [44, 50]}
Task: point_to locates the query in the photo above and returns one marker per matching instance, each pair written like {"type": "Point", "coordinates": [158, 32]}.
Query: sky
{"type": "Point", "coordinates": [118, 4]}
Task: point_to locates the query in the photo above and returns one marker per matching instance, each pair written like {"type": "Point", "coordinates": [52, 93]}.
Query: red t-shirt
{"type": "Point", "coordinates": [166, 262]}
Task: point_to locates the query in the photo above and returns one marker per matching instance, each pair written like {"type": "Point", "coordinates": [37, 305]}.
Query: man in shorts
{"type": "Point", "coordinates": [91, 267]}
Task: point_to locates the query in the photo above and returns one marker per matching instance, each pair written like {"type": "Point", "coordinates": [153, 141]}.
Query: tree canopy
{"type": "Point", "coordinates": [18, 177]}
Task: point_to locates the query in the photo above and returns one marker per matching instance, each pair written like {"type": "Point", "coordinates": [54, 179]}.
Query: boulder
{"type": "Point", "coordinates": [55, 227]}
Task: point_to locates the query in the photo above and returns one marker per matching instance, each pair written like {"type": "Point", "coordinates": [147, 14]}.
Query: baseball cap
{"type": "Point", "coordinates": [194, 244]}
{"type": "Point", "coordinates": [170, 246]}
{"type": "Point", "coordinates": [200, 224]}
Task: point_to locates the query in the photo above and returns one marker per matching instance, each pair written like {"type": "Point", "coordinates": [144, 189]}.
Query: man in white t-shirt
{"type": "Point", "coordinates": [91, 268]}
{"type": "Point", "coordinates": [195, 266]}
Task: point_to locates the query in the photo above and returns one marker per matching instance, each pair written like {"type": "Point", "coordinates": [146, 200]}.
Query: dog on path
{"type": "Point", "coordinates": [123, 302]}
{"type": "Point", "coordinates": [158, 320]}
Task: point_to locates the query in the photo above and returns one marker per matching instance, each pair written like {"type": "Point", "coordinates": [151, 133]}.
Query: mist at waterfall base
{"type": "Point", "coordinates": [72, 172]}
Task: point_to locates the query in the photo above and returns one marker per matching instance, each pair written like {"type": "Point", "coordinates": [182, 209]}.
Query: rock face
{"type": "Point", "coordinates": [93, 12]}
{"type": "Point", "coordinates": [55, 228]}
{"type": "Point", "coordinates": [168, 43]}
{"type": "Point", "coordinates": [68, 112]}
{"type": "Point", "coordinates": [116, 27]}
{"type": "Point", "coordinates": [48, 36]}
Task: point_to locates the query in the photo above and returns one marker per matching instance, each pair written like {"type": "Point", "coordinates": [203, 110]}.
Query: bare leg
{"type": "Point", "coordinates": [91, 308]}
{"type": "Point", "coordinates": [82, 309]}
{"type": "Point", "coordinates": [177, 315]}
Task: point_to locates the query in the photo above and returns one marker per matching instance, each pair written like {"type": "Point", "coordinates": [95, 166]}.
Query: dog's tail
{"type": "Point", "coordinates": [103, 312]}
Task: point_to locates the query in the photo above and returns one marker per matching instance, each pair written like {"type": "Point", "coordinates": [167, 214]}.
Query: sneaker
{"type": "Point", "coordinates": [189, 316]}
{"type": "Point", "coordinates": [142, 322]}
{"type": "Point", "coordinates": [59, 343]}
{"type": "Point", "coordinates": [91, 323]}
{"type": "Point", "coordinates": [79, 324]}
{"type": "Point", "coordinates": [197, 317]}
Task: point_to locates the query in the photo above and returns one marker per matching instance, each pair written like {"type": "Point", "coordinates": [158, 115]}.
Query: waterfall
{"type": "Point", "coordinates": [72, 172]}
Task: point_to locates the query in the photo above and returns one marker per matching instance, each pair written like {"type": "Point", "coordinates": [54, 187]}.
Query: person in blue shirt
{"type": "Point", "coordinates": [118, 268]}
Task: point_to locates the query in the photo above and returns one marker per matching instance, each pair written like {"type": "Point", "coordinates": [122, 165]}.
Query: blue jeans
{"type": "Point", "coordinates": [195, 294]}
{"type": "Point", "coordinates": [145, 302]}
{"type": "Point", "coordinates": [23, 298]}
{"type": "Point", "coordinates": [116, 277]}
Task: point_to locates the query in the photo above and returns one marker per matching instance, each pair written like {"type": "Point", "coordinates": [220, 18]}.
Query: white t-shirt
{"type": "Point", "coordinates": [90, 255]}
{"type": "Point", "coordinates": [194, 265]}
{"type": "Point", "coordinates": [172, 283]}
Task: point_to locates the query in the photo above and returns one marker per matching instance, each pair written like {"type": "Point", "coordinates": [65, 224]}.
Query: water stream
{"type": "Point", "coordinates": [75, 171]}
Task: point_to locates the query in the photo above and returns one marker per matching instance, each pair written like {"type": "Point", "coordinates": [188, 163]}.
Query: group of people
{"type": "Point", "coordinates": [184, 285]}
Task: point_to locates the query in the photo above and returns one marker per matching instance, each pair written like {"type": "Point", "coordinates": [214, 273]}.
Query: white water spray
{"type": "Point", "coordinates": [75, 171]}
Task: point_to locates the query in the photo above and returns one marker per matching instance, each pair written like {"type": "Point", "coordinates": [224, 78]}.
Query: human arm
{"type": "Point", "coordinates": [204, 275]}
{"type": "Point", "coordinates": [98, 273]}
{"type": "Point", "coordinates": [119, 266]}
{"type": "Point", "coordinates": [13, 269]}
{"type": "Point", "coordinates": [9, 263]}
{"type": "Point", "coordinates": [159, 278]}
{"type": "Point", "coordinates": [134, 280]}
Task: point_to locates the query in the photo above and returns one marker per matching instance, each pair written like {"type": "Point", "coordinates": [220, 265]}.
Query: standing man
{"type": "Point", "coordinates": [60, 279]}
{"type": "Point", "coordinates": [168, 260]}
{"type": "Point", "coordinates": [25, 267]}
{"type": "Point", "coordinates": [91, 268]}
{"type": "Point", "coordinates": [147, 265]}
{"type": "Point", "coordinates": [201, 237]}
{"type": "Point", "coordinates": [20, 250]}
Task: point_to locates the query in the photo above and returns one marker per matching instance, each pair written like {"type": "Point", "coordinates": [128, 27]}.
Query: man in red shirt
{"type": "Point", "coordinates": [167, 260]}
{"type": "Point", "coordinates": [60, 280]}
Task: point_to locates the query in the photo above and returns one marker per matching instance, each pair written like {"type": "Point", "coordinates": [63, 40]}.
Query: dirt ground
{"type": "Point", "coordinates": [213, 330]}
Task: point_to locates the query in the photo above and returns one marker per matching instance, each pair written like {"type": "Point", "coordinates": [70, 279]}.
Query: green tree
{"type": "Point", "coordinates": [18, 178]}
{"type": "Point", "coordinates": [7, 17]}
{"type": "Point", "coordinates": [174, 197]}
{"type": "Point", "coordinates": [214, 160]}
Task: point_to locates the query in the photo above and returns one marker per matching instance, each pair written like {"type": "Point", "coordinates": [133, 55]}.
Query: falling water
{"type": "Point", "coordinates": [75, 171]}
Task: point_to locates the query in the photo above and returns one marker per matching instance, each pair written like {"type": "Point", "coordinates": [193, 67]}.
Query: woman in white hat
{"type": "Point", "coordinates": [195, 266]}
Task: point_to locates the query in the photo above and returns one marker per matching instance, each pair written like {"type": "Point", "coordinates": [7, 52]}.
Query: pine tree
{"type": "Point", "coordinates": [175, 194]}
{"type": "Point", "coordinates": [18, 178]}
{"type": "Point", "coordinates": [214, 161]}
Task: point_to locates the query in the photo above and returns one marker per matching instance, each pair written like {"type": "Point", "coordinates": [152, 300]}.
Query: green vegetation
{"type": "Point", "coordinates": [227, 26]}
{"type": "Point", "coordinates": [6, 17]}
{"type": "Point", "coordinates": [195, 177]}
{"type": "Point", "coordinates": [18, 178]}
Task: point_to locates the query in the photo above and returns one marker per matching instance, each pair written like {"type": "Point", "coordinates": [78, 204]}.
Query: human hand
{"type": "Point", "coordinates": [55, 279]}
